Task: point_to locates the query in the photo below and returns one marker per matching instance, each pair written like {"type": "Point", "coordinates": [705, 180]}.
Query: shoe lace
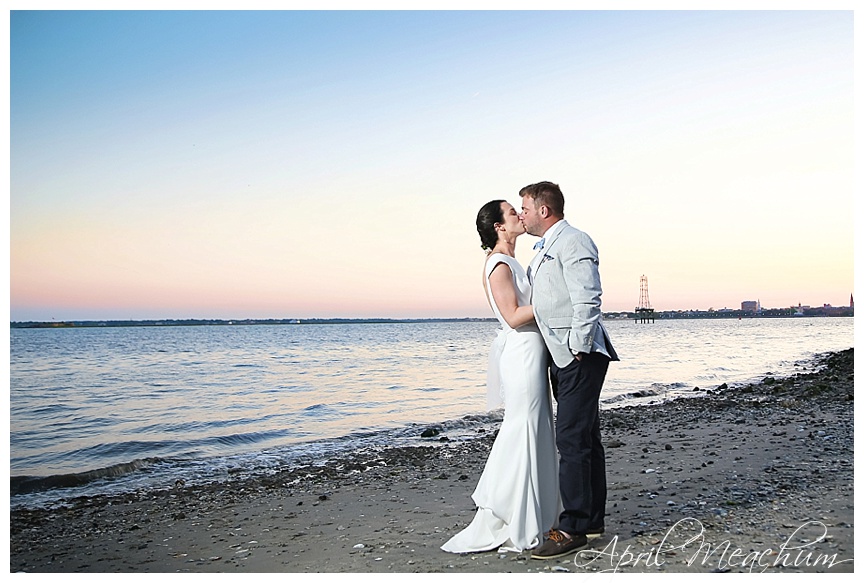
{"type": "Point", "coordinates": [557, 536]}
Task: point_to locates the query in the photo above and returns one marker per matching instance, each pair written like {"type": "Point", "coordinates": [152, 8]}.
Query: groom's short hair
{"type": "Point", "coordinates": [547, 194]}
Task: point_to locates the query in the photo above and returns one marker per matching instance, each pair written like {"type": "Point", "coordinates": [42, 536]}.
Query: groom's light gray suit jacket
{"type": "Point", "coordinates": [566, 293]}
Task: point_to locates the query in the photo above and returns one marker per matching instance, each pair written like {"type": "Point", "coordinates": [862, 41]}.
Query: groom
{"type": "Point", "coordinates": [566, 297]}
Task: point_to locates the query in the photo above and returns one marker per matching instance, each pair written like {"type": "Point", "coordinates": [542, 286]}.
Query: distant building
{"type": "Point", "coordinates": [750, 306]}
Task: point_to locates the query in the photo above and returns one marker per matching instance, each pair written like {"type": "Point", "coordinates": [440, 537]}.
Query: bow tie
{"type": "Point", "coordinates": [539, 244]}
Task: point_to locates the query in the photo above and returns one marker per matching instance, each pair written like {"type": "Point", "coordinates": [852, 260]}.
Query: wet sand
{"type": "Point", "coordinates": [755, 479]}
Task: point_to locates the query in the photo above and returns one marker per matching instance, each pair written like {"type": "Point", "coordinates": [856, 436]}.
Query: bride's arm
{"type": "Point", "coordinates": [501, 282]}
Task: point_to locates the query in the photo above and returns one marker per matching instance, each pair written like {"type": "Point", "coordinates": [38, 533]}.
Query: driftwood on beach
{"type": "Point", "coordinates": [755, 478]}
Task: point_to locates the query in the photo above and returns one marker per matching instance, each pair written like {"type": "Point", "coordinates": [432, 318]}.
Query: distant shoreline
{"type": "Point", "coordinates": [830, 312]}
{"type": "Point", "coordinates": [245, 322]}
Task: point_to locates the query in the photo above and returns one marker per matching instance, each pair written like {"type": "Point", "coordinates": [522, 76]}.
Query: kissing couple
{"type": "Point", "coordinates": [531, 496]}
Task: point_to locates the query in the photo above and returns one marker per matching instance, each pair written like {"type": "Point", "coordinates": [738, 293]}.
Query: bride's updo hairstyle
{"type": "Point", "coordinates": [490, 213]}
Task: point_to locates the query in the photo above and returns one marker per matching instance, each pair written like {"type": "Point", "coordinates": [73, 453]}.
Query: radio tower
{"type": "Point", "coordinates": [644, 312]}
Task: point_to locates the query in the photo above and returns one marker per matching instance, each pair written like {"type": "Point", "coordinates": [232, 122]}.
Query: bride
{"type": "Point", "coordinates": [517, 496]}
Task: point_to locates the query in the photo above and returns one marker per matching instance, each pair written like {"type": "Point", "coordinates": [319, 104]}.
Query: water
{"type": "Point", "coordinates": [106, 410]}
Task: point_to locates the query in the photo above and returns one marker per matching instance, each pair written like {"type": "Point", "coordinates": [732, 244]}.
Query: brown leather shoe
{"type": "Point", "coordinates": [559, 544]}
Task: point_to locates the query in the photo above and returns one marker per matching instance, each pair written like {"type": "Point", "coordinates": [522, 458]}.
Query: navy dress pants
{"type": "Point", "coordinates": [582, 472]}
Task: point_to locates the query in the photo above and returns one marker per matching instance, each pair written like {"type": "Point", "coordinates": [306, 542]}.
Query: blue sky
{"type": "Point", "coordinates": [282, 164]}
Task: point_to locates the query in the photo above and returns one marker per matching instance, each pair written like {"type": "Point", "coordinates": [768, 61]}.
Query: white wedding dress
{"type": "Point", "coordinates": [517, 496]}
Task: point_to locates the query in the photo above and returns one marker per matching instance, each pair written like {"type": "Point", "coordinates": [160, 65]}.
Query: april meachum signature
{"type": "Point", "coordinates": [680, 539]}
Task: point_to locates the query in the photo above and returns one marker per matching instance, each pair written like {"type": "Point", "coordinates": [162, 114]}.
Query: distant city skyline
{"type": "Point", "coordinates": [297, 164]}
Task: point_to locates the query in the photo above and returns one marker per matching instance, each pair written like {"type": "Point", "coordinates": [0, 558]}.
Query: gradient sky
{"type": "Point", "coordinates": [331, 164]}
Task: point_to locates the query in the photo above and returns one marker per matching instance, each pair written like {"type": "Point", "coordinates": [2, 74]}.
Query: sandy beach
{"type": "Point", "coordinates": [755, 479]}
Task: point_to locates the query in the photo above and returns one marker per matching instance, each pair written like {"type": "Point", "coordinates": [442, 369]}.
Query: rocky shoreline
{"type": "Point", "coordinates": [751, 479]}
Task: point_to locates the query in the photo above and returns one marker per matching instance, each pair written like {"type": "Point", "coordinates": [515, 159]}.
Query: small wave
{"type": "Point", "coordinates": [319, 409]}
{"type": "Point", "coordinates": [27, 484]}
{"type": "Point", "coordinates": [654, 390]}
{"type": "Point", "coordinates": [53, 409]}
{"type": "Point", "coordinates": [246, 438]}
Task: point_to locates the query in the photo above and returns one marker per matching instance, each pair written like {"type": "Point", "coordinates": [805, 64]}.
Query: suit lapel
{"type": "Point", "coordinates": [548, 246]}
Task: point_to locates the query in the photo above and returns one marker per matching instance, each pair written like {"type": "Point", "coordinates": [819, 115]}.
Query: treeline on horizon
{"type": "Point", "coordinates": [666, 315]}
{"type": "Point", "coordinates": [236, 322]}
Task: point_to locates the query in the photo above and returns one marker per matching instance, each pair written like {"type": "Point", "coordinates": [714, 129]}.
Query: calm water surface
{"type": "Point", "coordinates": [139, 407]}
